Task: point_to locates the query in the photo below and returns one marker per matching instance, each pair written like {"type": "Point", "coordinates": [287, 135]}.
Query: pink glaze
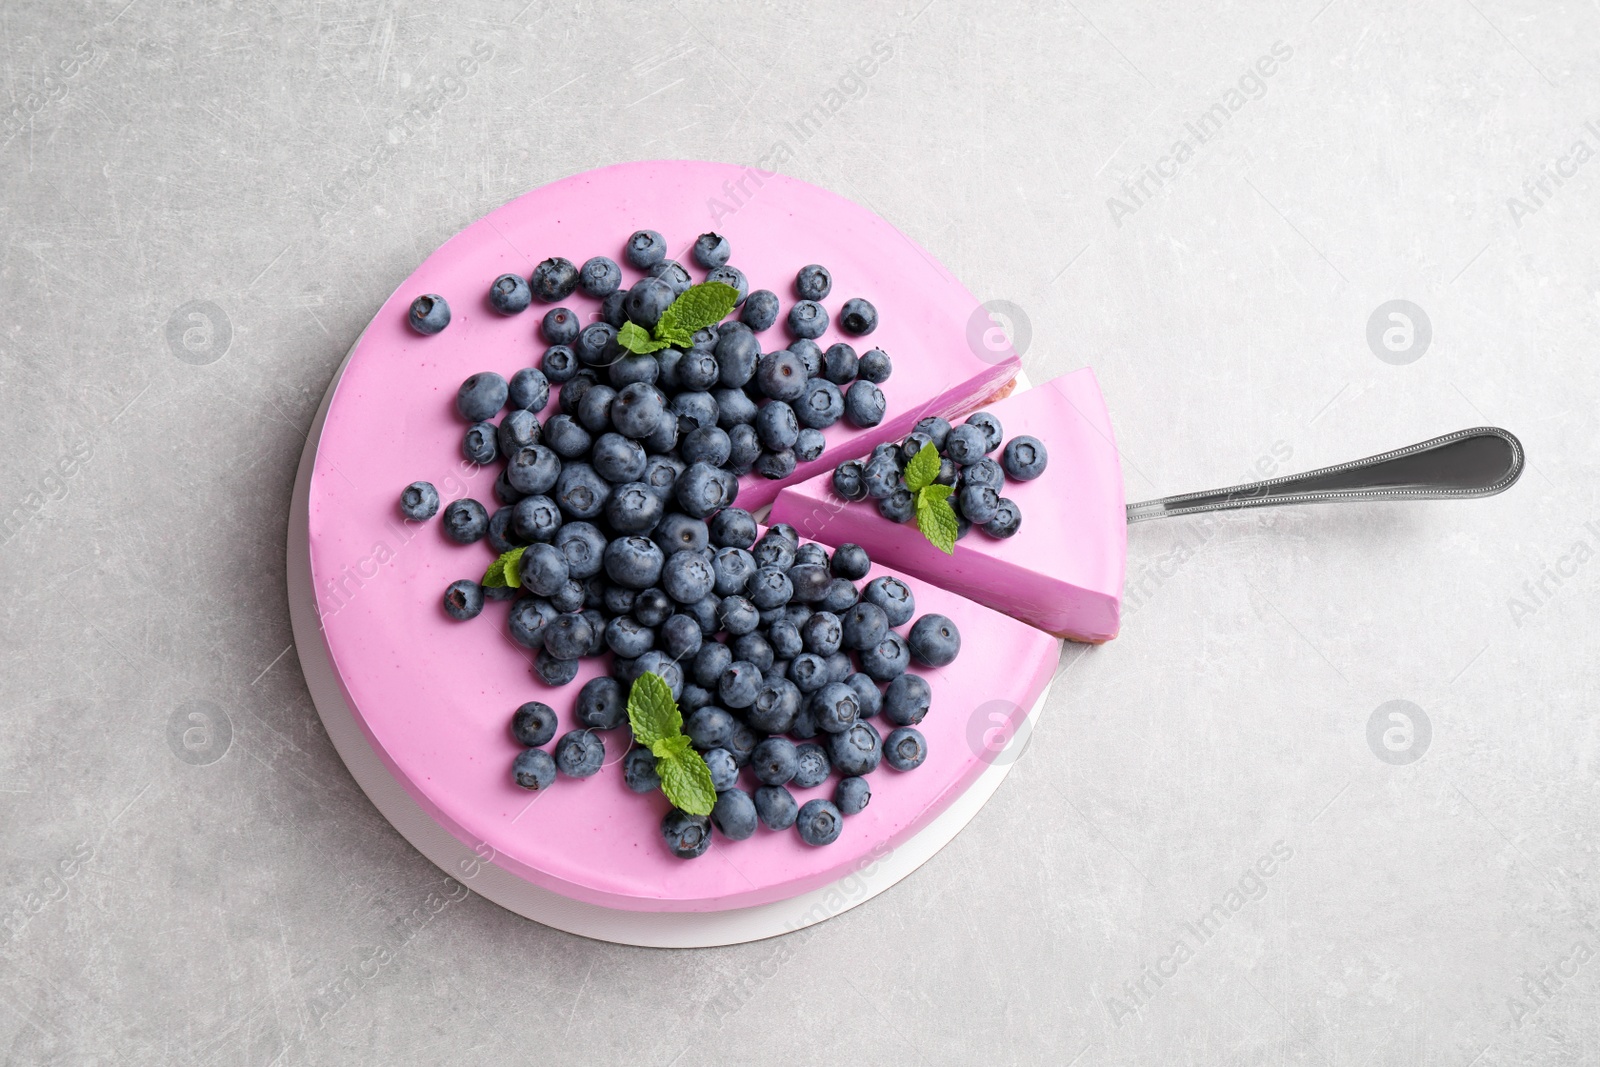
{"type": "Point", "coordinates": [434, 697]}
{"type": "Point", "coordinates": [1062, 571]}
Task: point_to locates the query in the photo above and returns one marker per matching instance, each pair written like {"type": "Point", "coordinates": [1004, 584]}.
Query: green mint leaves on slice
{"type": "Point", "coordinates": [652, 713]}
{"type": "Point", "coordinates": [633, 337]}
{"type": "Point", "coordinates": [658, 725]}
{"type": "Point", "coordinates": [506, 570]}
{"type": "Point", "coordinates": [936, 518]}
{"type": "Point", "coordinates": [923, 468]}
{"type": "Point", "coordinates": [700, 306]}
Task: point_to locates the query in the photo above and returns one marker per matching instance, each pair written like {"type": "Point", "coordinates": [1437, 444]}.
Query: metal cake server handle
{"type": "Point", "coordinates": [1468, 463]}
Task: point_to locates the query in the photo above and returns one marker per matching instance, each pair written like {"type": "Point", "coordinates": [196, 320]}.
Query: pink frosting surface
{"type": "Point", "coordinates": [1063, 570]}
{"type": "Point", "coordinates": [435, 697]}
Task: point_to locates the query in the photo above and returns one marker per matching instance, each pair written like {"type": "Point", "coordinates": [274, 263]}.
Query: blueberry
{"type": "Point", "coordinates": [821, 406]}
{"type": "Point", "coordinates": [428, 314]}
{"type": "Point", "coordinates": [809, 672]}
{"type": "Point", "coordinates": [673, 273]}
{"type": "Point", "coordinates": [848, 481]}
{"type": "Point", "coordinates": [898, 506]}
{"type": "Point", "coordinates": [753, 647]}
{"type": "Point", "coordinates": [602, 704]}
{"type": "Point", "coordinates": [580, 753]}
{"type": "Point", "coordinates": [479, 443]}
{"type": "Point", "coordinates": [680, 533]}
{"type": "Point", "coordinates": [776, 807]}
{"type": "Point", "coordinates": [863, 626]}
{"type": "Point", "coordinates": [858, 317]}
{"type": "Point", "coordinates": [819, 822]}
{"type": "Point", "coordinates": [687, 577]}
{"type": "Point", "coordinates": [596, 345]}
{"type": "Point", "coordinates": [965, 443]}
{"type": "Point", "coordinates": [705, 613]}
{"type": "Point", "coordinates": [568, 636]}
{"type": "Point", "coordinates": [774, 761]}
{"type": "Point", "coordinates": [519, 429]}
{"type": "Point", "coordinates": [905, 748]}
{"type": "Point", "coordinates": [733, 528]}
{"type": "Point", "coordinates": [734, 568]}
{"type": "Point", "coordinates": [739, 684]}
{"type": "Point", "coordinates": [912, 446]}
{"type": "Point", "coordinates": [777, 703]}
{"type": "Point", "coordinates": [681, 636]}
{"type": "Point", "coordinates": [738, 616]}
{"type": "Point", "coordinates": [850, 561]}
{"type": "Point", "coordinates": [570, 598]}
{"type": "Point", "coordinates": [734, 814]}
{"type": "Point", "coordinates": [893, 596]}
{"type": "Point", "coordinates": [612, 311]}
{"type": "Point", "coordinates": [633, 368]}
{"type": "Point", "coordinates": [594, 408]}
{"type": "Point", "coordinates": [760, 309]}
{"type": "Point", "coordinates": [744, 447]}
{"type": "Point", "coordinates": [710, 662]}
{"type": "Point", "coordinates": [851, 795]}
{"type": "Point", "coordinates": [465, 521]}
{"type": "Point", "coordinates": [694, 698]}
{"type": "Point", "coordinates": [645, 249]}
{"type": "Point", "coordinates": [875, 366]}
{"type": "Point", "coordinates": [584, 546]}
{"type": "Point", "coordinates": [509, 294]}
{"type": "Point", "coordinates": [807, 319]}
{"type": "Point", "coordinates": [533, 724]}
{"type": "Point", "coordinates": [554, 279]}
{"type": "Point", "coordinates": [934, 429]}
{"type": "Point", "coordinates": [979, 504]}
{"type": "Point", "coordinates": [634, 508]}
{"type": "Point", "coordinates": [639, 771]}
{"type": "Point", "coordinates": [730, 276]}
{"type": "Point", "coordinates": [711, 250]}
{"type": "Point", "coordinates": [661, 474]}
{"type": "Point", "coordinates": [773, 551]}
{"type": "Point", "coordinates": [723, 767]}
{"type": "Point", "coordinates": [887, 659]}
{"type": "Point", "coordinates": [934, 640]}
{"type": "Point", "coordinates": [687, 836]}
{"type": "Point", "coordinates": [769, 587]}
{"type": "Point", "coordinates": [600, 276]}
{"type": "Point", "coordinates": [710, 727]}
{"type": "Point", "coordinates": [737, 354]}
{"type": "Point", "coordinates": [419, 501]}
{"type": "Point", "coordinates": [646, 301]}
{"type": "Point", "coordinates": [528, 620]}
{"type": "Point", "coordinates": [906, 701]}
{"type": "Point", "coordinates": [570, 396]}
{"type": "Point", "coordinates": [559, 364]}
{"type": "Point", "coordinates": [580, 491]}
{"type": "Point", "coordinates": [652, 606]}
{"type": "Point", "coordinates": [864, 404]}
{"type": "Point", "coordinates": [559, 326]}
{"type": "Point", "coordinates": [533, 769]}
{"type": "Point", "coordinates": [810, 581]}
{"type": "Point", "coordinates": [834, 708]}
{"type": "Point", "coordinates": [839, 363]}
{"type": "Point", "coordinates": [481, 396]}
{"type": "Point", "coordinates": [617, 459]}
{"type": "Point", "coordinates": [776, 465]}
{"type": "Point", "coordinates": [701, 490]}
{"type": "Point", "coordinates": [628, 637]}
{"type": "Point", "coordinates": [781, 375]}
{"type": "Point", "coordinates": [698, 371]}
{"type": "Point", "coordinates": [463, 599]}
{"type": "Point", "coordinates": [543, 570]}
{"type": "Point", "coordinates": [566, 437]}
{"type": "Point", "coordinates": [990, 425]}
{"type": "Point", "coordinates": [533, 470]}
{"type": "Point", "coordinates": [809, 353]}
{"type": "Point", "coordinates": [634, 562]}
{"type": "Point", "coordinates": [776, 426]}
{"type": "Point", "coordinates": [985, 472]}
{"type": "Point", "coordinates": [869, 698]}
{"type": "Point", "coordinates": [660, 664]}
{"type": "Point", "coordinates": [1024, 458]}
{"type": "Point", "coordinates": [881, 478]}
{"type": "Point", "coordinates": [811, 766]}
{"type": "Point", "coordinates": [813, 282]}
{"type": "Point", "coordinates": [822, 633]}
{"type": "Point", "coordinates": [1007, 520]}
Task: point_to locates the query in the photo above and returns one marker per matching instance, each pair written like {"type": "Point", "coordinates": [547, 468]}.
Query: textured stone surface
{"type": "Point", "coordinates": [204, 203]}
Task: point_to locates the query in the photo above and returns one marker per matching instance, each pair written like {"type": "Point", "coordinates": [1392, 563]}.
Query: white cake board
{"type": "Point", "coordinates": [483, 876]}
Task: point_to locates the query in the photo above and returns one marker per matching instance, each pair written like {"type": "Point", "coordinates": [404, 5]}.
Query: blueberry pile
{"type": "Point", "coordinates": [617, 525]}
{"type": "Point", "coordinates": [965, 464]}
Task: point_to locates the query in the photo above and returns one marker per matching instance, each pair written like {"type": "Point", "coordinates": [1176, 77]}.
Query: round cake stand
{"type": "Point", "coordinates": [481, 874]}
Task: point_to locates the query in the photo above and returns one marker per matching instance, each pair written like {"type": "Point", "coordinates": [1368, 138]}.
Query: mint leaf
{"type": "Point", "coordinates": [505, 570]}
{"type": "Point", "coordinates": [686, 780]}
{"type": "Point", "coordinates": [675, 337]}
{"type": "Point", "coordinates": [923, 468]}
{"type": "Point", "coordinates": [700, 306]}
{"type": "Point", "coordinates": [633, 337]}
{"type": "Point", "coordinates": [936, 519]}
{"type": "Point", "coordinates": [670, 747]}
{"type": "Point", "coordinates": [652, 713]}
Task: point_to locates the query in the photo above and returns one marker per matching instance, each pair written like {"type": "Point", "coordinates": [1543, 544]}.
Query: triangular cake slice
{"type": "Point", "coordinates": [1063, 569]}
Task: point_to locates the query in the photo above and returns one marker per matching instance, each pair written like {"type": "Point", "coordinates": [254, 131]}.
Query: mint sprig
{"type": "Point", "coordinates": [935, 517]}
{"type": "Point", "coordinates": [506, 571]}
{"type": "Point", "coordinates": [699, 306]}
{"type": "Point", "coordinates": [658, 725]}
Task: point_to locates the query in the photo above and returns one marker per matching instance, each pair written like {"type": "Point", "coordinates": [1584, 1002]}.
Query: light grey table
{"type": "Point", "coordinates": [1213, 208]}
